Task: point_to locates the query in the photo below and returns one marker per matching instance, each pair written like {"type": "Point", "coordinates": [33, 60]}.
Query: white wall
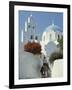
{"type": "Point", "coordinates": [4, 44]}
{"type": "Point", "coordinates": [57, 70]}
{"type": "Point", "coordinates": [46, 36]}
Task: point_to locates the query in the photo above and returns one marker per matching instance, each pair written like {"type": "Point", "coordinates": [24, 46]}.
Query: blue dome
{"type": "Point", "coordinates": [54, 28]}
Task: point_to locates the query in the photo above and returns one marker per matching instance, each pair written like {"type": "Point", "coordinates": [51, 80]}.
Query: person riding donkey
{"type": "Point", "coordinates": [45, 69]}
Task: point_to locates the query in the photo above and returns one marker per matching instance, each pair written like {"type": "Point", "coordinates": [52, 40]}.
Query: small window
{"type": "Point", "coordinates": [28, 26]}
{"type": "Point", "coordinates": [31, 37]}
{"type": "Point", "coordinates": [36, 38]}
{"type": "Point", "coordinates": [50, 37]}
{"type": "Point", "coordinates": [33, 27]}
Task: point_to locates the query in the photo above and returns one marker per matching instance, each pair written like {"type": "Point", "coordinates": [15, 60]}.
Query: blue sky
{"type": "Point", "coordinates": [43, 19]}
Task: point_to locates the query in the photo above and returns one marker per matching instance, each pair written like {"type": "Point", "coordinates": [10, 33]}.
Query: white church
{"type": "Point", "coordinates": [51, 34]}
{"type": "Point", "coordinates": [29, 32]}
{"type": "Point", "coordinates": [49, 38]}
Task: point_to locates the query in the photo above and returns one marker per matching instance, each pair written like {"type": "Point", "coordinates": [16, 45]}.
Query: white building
{"type": "Point", "coordinates": [51, 34]}
{"type": "Point", "coordinates": [29, 33]}
{"type": "Point", "coordinates": [30, 30]}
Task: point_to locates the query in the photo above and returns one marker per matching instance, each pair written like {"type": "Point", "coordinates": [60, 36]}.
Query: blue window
{"type": "Point", "coordinates": [36, 38]}
{"type": "Point", "coordinates": [31, 37]}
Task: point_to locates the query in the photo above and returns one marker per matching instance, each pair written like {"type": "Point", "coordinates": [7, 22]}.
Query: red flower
{"type": "Point", "coordinates": [33, 47]}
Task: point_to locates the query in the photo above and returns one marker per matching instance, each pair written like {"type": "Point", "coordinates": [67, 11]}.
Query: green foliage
{"type": "Point", "coordinates": [56, 55]}
{"type": "Point", "coordinates": [59, 54]}
{"type": "Point", "coordinates": [60, 45]}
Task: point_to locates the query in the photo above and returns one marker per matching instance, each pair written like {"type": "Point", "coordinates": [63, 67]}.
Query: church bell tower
{"type": "Point", "coordinates": [30, 29]}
